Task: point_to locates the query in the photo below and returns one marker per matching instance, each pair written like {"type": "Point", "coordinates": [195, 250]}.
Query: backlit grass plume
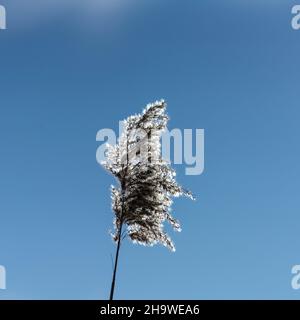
{"type": "Point", "coordinates": [142, 200]}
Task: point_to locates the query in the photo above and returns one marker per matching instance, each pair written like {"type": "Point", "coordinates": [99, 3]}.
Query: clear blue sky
{"type": "Point", "coordinates": [68, 70]}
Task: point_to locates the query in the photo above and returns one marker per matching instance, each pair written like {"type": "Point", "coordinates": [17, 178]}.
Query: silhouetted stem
{"type": "Point", "coordinates": [113, 283]}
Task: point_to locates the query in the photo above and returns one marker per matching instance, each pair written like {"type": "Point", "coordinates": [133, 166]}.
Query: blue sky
{"type": "Point", "coordinates": [67, 71]}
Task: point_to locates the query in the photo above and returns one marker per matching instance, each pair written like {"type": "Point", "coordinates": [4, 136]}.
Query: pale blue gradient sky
{"type": "Point", "coordinates": [230, 67]}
